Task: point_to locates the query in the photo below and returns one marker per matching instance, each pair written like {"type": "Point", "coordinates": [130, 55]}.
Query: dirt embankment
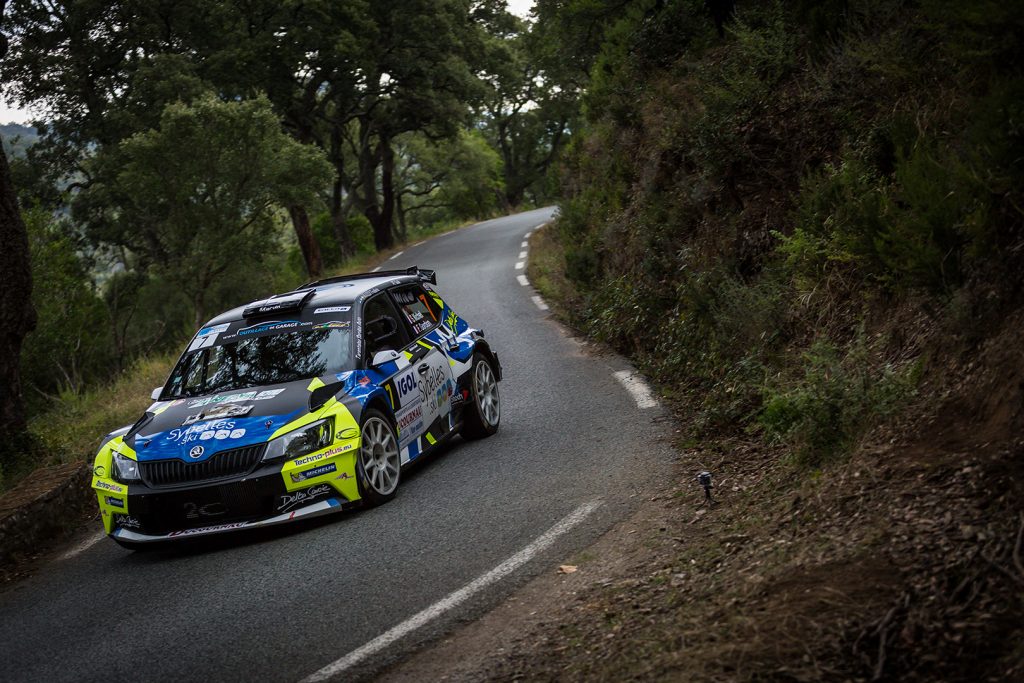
{"type": "Point", "coordinates": [904, 562]}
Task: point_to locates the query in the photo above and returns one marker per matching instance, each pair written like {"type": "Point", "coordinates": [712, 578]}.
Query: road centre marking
{"type": "Point", "coordinates": [455, 599]}
{"type": "Point", "coordinates": [540, 302]}
{"type": "Point", "coordinates": [637, 388]}
{"type": "Point", "coordinates": [523, 281]}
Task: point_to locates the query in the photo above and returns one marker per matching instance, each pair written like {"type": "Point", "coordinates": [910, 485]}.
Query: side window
{"type": "Point", "coordinates": [382, 328]}
{"type": "Point", "coordinates": [419, 310]}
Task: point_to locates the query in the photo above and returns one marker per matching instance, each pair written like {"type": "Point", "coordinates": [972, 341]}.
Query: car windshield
{"type": "Point", "coordinates": [261, 360]}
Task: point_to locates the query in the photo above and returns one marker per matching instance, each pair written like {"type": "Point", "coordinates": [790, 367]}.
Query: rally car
{"type": "Point", "coordinates": [304, 403]}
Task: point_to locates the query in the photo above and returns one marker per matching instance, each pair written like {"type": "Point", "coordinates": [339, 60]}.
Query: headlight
{"type": "Point", "coordinates": [126, 470]}
{"type": "Point", "coordinates": [302, 441]}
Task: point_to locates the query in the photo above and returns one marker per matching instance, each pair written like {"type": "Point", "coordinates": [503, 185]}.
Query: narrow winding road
{"type": "Point", "coordinates": [346, 595]}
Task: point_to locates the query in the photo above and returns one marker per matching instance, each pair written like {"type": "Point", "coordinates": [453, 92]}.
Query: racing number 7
{"type": "Point", "coordinates": [427, 306]}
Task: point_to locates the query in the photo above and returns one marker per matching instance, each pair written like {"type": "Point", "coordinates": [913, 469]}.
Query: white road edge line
{"type": "Point", "coordinates": [375, 269]}
{"type": "Point", "coordinates": [520, 265]}
{"type": "Point", "coordinates": [540, 302]}
{"type": "Point", "coordinates": [84, 545]}
{"type": "Point", "coordinates": [455, 599]}
{"type": "Point", "coordinates": [394, 256]}
{"type": "Point", "coordinates": [524, 244]}
{"type": "Point", "coordinates": [419, 243]}
{"type": "Point", "coordinates": [637, 388]}
{"type": "Point", "coordinates": [527, 235]}
{"type": "Point", "coordinates": [522, 254]}
{"type": "Point", "coordinates": [523, 281]}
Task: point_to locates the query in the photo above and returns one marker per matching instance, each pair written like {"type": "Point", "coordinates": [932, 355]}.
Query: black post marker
{"type": "Point", "coordinates": [704, 479]}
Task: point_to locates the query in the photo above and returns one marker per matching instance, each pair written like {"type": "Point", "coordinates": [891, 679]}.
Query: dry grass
{"type": "Point", "coordinates": [546, 270]}
{"type": "Point", "coordinates": [72, 430]}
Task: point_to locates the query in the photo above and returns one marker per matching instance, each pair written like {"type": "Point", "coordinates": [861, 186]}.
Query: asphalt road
{"type": "Point", "coordinates": [279, 605]}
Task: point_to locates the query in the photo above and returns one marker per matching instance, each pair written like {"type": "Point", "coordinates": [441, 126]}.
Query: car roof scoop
{"type": "Point", "coordinates": [279, 303]}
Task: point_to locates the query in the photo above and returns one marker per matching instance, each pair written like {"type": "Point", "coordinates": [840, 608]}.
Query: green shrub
{"type": "Point", "coordinates": [71, 344]}
{"type": "Point", "coordinates": [825, 408]}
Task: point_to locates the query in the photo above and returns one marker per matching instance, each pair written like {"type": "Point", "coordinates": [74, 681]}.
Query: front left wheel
{"type": "Point", "coordinates": [379, 464]}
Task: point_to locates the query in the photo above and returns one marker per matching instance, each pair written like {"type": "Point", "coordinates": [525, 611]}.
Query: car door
{"type": "Point", "coordinates": [434, 381]}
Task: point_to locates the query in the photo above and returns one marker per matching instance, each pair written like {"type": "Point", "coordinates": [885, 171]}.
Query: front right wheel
{"type": "Point", "coordinates": [379, 464]}
{"type": "Point", "coordinates": [483, 417]}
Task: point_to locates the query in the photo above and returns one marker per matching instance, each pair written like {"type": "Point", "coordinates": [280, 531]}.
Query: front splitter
{"type": "Point", "coordinates": [322, 507]}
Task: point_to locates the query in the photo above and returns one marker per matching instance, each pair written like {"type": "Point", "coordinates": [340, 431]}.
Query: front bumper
{"type": "Point", "coordinates": [328, 505]}
{"type": "Point", "coordinates": [259, 499]}
{"type": "Point", "coordinates": [272, 494]}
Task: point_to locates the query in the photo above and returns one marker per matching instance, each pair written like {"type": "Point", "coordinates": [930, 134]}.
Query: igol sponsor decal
{"type": "Point", "coordinates": [208, 529]}
{"type": "Point", "coordinates": [109, 487]}
{"type": "Point", "coordinates": [114, 502]}
{"type": "Point", "coordinates": [315, 472]}
{"type": "Point", "coordinates": [332, 309]}
{"type": "Point", "coordinates": [290, 500]}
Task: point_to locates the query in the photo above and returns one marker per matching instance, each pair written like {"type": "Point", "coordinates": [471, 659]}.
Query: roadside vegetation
{"type": "Point", "coordinates": [807, 230]}
{"type": "Point", "coordinates": [194, 156]}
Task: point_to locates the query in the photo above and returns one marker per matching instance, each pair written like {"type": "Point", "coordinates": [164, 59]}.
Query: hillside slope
{"type": "Point", "coordinates": [808, 233]}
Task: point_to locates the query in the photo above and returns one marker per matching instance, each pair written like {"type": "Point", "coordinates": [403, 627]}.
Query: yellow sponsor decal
{"type": "Point", "coordinates": [109, 486]}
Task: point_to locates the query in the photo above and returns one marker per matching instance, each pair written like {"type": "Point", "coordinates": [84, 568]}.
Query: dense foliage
{"type": "Point", "coordinates": [747, 214]}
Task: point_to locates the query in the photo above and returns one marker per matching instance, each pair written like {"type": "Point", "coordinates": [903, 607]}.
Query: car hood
{"type": "Point", "coordinates": [193, 429]}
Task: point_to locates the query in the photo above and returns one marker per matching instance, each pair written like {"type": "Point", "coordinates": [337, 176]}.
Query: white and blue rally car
{"type": "Point", "coordinates": [300, 404]}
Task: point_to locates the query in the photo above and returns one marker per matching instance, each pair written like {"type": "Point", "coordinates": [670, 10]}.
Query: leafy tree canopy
{"type": "Point", "coordinates": [199, 193]}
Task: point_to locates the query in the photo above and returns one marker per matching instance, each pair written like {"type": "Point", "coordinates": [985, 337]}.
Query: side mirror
{"type": "Point", "coordinates": [385, 356]}
{"type": "Point", "coordinates": [155, 394]}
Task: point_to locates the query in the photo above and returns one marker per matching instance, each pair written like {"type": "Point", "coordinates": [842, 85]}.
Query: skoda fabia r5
{"type": "Point", "coordinates": [298, 405]}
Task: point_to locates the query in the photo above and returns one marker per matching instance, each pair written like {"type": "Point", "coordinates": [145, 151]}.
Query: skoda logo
{"type": "Point", "coordinates": [196, 452]}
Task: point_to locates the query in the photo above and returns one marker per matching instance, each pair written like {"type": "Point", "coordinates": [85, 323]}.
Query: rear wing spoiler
{"type": "Point", "coordinates": [422, 273]}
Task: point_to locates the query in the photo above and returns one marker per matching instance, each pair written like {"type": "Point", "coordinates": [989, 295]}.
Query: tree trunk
{"type": "Point", "coordinates": [17, 316]}
{"type": "Point", "coordinates": [368, 178]}
{"type": "Point", "coordinates": [383, 233]}
{"type": "Point", "coordinates": [339, 204]}
{"type": "Point", "coordinates": [307, 242]}
{"type": "Point", "coordinates": [378, 210]}
{"type": "Point", "coordinates": [339, 220]}
{"type": "Point", "coordinates": [403, 229]}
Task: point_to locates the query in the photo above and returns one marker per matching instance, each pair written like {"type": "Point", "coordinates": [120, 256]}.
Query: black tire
{"type": "Point", "coordinates": [482, 417]}
{"type": "Point", "coordinates": [379, 461]}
